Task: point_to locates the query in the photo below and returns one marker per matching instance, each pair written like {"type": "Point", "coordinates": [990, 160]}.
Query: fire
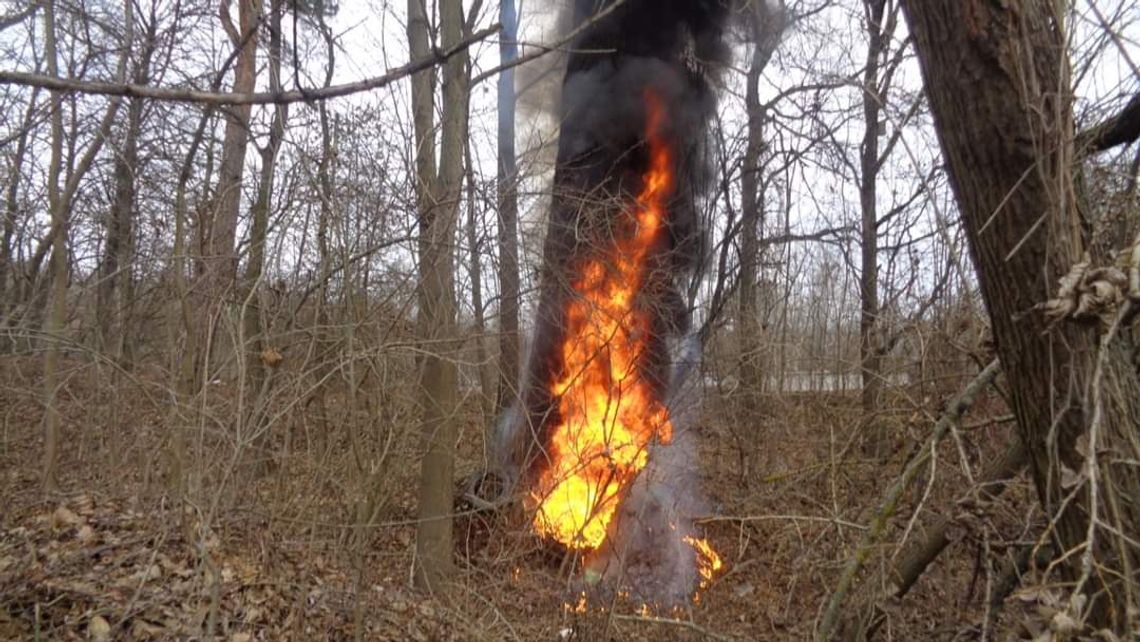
{"type": "Point", "coordinates": [708, 562]}
{"type": "Point", "coordinates": [609, 414]}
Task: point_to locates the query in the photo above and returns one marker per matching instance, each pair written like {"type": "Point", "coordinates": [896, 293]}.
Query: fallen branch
{"type": "Point", "coordinates": [955, 410]}
{"type": "Point", "coordinates": [995, 479]}
{"type": "Point", "coordinates": [919, 556]}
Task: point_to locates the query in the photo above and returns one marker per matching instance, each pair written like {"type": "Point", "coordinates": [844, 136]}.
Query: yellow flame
{"type": "Point", "coordinates": [708, 562]}
{"type": "Point", "coordinates": [609, 413]}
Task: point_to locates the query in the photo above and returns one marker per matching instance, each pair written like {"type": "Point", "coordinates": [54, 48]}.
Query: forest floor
{"type": "Point", "coordinates": [269, 557]}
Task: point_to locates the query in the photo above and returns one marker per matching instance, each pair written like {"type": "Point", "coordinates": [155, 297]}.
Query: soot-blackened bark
{"type": "Point", "coordinates": [602, 154]}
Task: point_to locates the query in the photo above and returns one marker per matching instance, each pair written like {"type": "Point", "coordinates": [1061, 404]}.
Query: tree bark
{"type": "Point", "coordinates": [767, 26]}
{"type": "Point", "coordinates": [507, 184]}
{"type": "Point", "coordinates": [438, 199]}
{"type": "Point", "coordinates": [219, 261]}
{"type": "Point", "coordinates": [257, 371]}
{"type": "Point", "coordinates": [998, 83]}
{"type": "Point", "coordinates": [877, 439]}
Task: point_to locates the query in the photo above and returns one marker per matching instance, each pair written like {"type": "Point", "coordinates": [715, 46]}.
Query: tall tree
{"type": "Point", "coordinates": [115, 281]}
{"type": "Point", "coordinates": [879, 23]}
{"type": "Point", "coordinates": [998, 83]}
{"type": "Point", "coordinates": [254, 331]}
{"type": "Point", "coordinates": [219, 254]}
{"type": "Point", "coordinates": [12, 199]}
{"type": "Point", "coordinates": [507, 181]}
{"type": "Point", "coordinates": [437, 196]}
{"type": "Point", "coordinates": [767, 25]}
{"type": "Point", "coordinates": [60, 198]}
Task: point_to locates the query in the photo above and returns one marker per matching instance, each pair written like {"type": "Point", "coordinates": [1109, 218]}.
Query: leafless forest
{"type": "Point", "coordinates": [569, 320]}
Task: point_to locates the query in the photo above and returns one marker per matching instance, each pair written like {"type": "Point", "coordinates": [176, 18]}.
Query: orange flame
{"type": "Point", "coordinates": [608, 412]}
{"type": "Point", "coordinates": [708, 562]}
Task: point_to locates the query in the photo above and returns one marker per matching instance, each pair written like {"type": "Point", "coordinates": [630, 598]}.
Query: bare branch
{"type": "Point", "coordinates": [69, 85]}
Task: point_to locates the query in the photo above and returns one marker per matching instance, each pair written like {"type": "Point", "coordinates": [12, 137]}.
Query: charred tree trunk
{"type": "Point", "coordinates": [998, 83]}
{"type": "Point", "coordinates": [507, 183]}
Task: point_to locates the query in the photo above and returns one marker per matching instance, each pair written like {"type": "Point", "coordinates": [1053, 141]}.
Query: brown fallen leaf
{"type": "Point", "coordinates": [64, 518]}
{"type": "Point", "coordinates": [98, 629]}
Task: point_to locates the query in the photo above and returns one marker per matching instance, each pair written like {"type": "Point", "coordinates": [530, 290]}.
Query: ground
{"type": "Point", "coordinates": [268, 557]}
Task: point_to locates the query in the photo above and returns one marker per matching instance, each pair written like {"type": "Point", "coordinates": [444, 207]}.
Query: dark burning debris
{"type": "Point", "coordinates": [601, 440]}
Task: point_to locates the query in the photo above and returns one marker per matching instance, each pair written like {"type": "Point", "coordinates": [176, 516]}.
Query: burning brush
{"type": "Point", "coordinates": [601, 441]}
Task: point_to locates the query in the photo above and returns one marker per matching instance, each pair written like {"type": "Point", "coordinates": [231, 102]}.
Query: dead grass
{"type": "Point", "coordinates": [279, 557]}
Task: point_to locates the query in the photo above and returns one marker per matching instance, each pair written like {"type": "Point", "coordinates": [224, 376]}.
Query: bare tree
{"type": "Point", "coordinates": [259, 362]}
{"type": "Point", "coordinates": [880, 20]}
{"type": "Point", "coordinates": [114, 293]}
{"type": "Point", "coordinates": [12, 208]}
{"type": "Point", "coordinates": [219, 227]}
{"type": "Point", "coordinates": [437, 196]}
{"type": "Point", "coordinates": [767, 22]}
{"type": "Point", "coordinates": [60, 198]}
{"type": "Point", "coordinates": [507, 180]}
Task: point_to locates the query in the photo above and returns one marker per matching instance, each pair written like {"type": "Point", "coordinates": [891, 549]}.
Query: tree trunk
{"type": "Point", "coordinates": [507, 183]}
{"type": "Point", "coordinates": [438, 199]}
{"type": "Point", "coordinates": [257, 370]}
{"type": "Point", "coordinates": [751, 225]}
{"type": "Point", "coordinates": [877, 442]}
{"type": "Point", "coordinates": [8, 292]}
{"type": "Point", "coordinates": [475, 252]}
{"type": "Point", "coordinates": [998, 84]}
{"type": "Point", "coordinates": [59, 261]}
{"type": "Point", "coordinates": [115, 291]}
{"type": "Point", "coordinates": [59, 207]}
{"type": "Point", "coordinates": [220, 260]}
{"type": "Point", "coordinates": [767, 25]}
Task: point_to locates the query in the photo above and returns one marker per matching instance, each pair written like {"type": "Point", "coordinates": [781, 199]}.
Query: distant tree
{"type": "Point", "coordinates": [60, 198]}
{"type": "Point", "coordinates": [507, 182]}
{"type": "Point", "coordinates": [767, 23]}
